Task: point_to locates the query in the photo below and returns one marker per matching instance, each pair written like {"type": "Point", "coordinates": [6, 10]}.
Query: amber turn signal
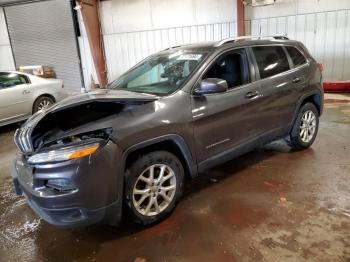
{"type": "Point", "coordinates": [83, 152]}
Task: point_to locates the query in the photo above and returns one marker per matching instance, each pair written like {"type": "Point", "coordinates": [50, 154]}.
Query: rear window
{"type": "Point", "coordinates": [297, 57]}
{"type": "Point", "coordinates": [271, 60]}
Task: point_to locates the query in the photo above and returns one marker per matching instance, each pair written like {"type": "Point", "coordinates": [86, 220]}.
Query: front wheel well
{"type": "Point", "coordinates": [168, 145]}
{"type": "Point", "coordinates": [43, 95]}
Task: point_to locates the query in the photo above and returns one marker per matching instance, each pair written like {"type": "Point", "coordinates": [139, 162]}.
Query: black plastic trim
{"type": "Point", "coordinates": [177, 139]}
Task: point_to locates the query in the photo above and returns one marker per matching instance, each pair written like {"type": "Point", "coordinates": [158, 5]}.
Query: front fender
{"type": "Point", "coordinates": [175, 138]}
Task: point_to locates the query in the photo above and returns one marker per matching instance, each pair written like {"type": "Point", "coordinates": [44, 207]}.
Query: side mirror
{"type": "Point", "coordinates": [211, 86]}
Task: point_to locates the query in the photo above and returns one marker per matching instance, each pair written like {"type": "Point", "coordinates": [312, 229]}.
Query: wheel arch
{"type": "Point", "coordinates": [315, 99]}
{"type": "Point", "coordinates": [172, 143]}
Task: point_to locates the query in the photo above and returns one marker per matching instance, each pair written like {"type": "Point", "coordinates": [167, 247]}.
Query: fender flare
{"type": "Point", "coordinates": [175, 138]}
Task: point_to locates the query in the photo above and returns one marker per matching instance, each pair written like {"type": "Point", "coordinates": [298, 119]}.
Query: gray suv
{"type": "Point", "coordinates": [170, 117]}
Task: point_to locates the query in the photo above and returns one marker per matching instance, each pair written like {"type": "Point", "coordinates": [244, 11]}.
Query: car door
{"type": "Point", "coordinates": [223, 121]}
{"type": "Point", "coordinates": [277, 87]}
{"type": "Point", "coordinates": [299, 78]}
{"type": "Point", "coordinates": [15, 96]}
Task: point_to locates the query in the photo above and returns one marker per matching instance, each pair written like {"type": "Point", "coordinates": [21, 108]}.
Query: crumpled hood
{"type": "Point", "coordinates": [75, 114]}
{"type": "Point", "coordinates": [103, 94]}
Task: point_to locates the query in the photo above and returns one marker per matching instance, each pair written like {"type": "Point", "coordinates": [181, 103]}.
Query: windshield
{"type": "Point", "coordinates": [161, 74]}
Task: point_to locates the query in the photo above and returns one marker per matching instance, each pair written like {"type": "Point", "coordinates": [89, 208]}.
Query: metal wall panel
{"type": "Point", "coordinates": [326, 35]}
{"type": "Point", "coordinates": [42, 33]}
{"type": "Point", "coordinates": [132, 31]}
{"type": "Point", "coordinates": [6, 58]}
{"type": "Point", "coordinates": [294, 7]}
{"type": "Point", "coordinates": [124, 50]}
{"type": "Point", "coordinates": [123, 16]}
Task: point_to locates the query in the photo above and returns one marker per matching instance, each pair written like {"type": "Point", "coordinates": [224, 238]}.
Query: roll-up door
{"type": "Point", "coordinates": [42, 33]}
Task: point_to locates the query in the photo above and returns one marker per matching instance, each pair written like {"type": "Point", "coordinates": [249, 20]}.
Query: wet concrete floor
{"type": "Point", "coordinates": [269, 205]}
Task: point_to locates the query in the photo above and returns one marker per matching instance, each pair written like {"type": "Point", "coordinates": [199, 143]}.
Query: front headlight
{"type": "Point", "coordinates": [63, 154]}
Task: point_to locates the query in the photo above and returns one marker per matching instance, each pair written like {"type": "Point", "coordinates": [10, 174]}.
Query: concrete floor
{"type": "Point", "coordinates": [269, 205]}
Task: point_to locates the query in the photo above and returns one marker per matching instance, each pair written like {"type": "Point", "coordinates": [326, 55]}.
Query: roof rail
{"type": "Point", "coordinates": [171, 47]}
{"type": "Point", "coordinates": [234, 39]}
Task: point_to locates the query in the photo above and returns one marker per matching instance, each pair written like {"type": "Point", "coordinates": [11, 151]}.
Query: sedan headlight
{"type": "Point", "coordinates": [63, 154]}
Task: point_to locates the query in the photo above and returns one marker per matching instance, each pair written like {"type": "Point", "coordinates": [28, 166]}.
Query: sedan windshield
{"type": "Point", "coordinates": [161, 74]}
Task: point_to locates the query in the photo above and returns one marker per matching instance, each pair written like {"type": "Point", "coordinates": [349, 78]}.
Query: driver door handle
{"type": "Point", "coordinates": [252, 94]}
{"type": "Point", "coordinates": [296, 80]}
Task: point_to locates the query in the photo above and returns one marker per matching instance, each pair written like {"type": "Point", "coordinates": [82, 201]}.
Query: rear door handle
{"type": "Point", "coordinates": [25, 92]}
{"type": "Point", "coordinates": [296, 80]}
{"type": "Point", "coordinates": [252, 94]}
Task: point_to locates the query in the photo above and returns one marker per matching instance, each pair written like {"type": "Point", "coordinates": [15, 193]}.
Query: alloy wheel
{"type": "Point", "coordinates": [154, 189]}
{"type": "Point", "coordinates": [307, 126]}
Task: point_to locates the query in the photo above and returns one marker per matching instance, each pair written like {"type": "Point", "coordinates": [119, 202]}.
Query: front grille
{"type": "Point", "coordinates": [22, 140]}
{"type": "Point", "coordinates": [23, 135]}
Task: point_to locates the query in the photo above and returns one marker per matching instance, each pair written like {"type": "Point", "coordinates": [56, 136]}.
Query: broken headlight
{"type": "Point", "coordinates": [71, 147]}
{"type": "Point", "coordinates": [63, 154]}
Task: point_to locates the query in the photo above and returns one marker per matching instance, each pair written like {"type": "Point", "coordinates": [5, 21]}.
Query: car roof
{"type": "Point", "coordinates": [14, 72]}
{"type": "Point", "coordinates": [233, 42]}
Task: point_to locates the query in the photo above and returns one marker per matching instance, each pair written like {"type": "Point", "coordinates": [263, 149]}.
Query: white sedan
{"type": "Point", "coordinates": [23, 94]}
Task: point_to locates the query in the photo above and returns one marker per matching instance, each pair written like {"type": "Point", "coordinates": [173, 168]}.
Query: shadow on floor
{"type": "Point", "coordinates": [9, 128]}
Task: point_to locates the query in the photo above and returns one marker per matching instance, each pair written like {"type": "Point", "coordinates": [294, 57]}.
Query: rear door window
{"type": "Point", "coordinates": [11, 79]}
{"type": "Point", "coordinates": [297, 57]}
{"type": "Point", "coordinates": [271, 60]}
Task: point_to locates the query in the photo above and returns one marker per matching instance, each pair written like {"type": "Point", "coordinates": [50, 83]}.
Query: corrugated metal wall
{"type": "Point", "coordinates": [124, 50]}
{"type": "Point", "coordinates": [6, 58]}
{"type": "Point", "coordinates": [132, 31]}
{"type": "Point", "coordinates": [325, 32]}
{"type": "Point", "coordinates": [42, 33]}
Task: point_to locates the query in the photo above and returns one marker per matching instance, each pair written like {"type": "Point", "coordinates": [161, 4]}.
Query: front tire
{"type": "Point", "coordinates": [305, 128]}
{"type": "Point", "coordinates": [154, 184]}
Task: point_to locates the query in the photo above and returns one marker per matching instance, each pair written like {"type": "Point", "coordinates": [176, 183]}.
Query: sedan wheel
{"type": "Point", "coordinates": [44, 104]}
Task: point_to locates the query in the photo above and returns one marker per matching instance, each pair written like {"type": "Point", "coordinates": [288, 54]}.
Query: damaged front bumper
{"type": "Point", "coordinates": [76, 192]}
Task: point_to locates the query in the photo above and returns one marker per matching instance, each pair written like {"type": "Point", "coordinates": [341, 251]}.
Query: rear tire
{"type": "Point", "coordinates": [154, 184]}
{"type": "Point", "coordinates": [42, 102]}
{"type": "Point", "coordinates": [305, 128]}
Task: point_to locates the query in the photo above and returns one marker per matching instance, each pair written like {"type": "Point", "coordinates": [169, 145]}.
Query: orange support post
{"type": "Point", "coordinates": [240, 18]}
{"type": "Point", "coordinates": [89, 11]}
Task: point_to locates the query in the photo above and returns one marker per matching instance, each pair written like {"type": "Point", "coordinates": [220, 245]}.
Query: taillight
{"type": "Point", "coordinates": [320, 66]}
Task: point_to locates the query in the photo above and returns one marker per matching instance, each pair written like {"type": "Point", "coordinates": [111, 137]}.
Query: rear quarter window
{"type": "Point", "coordinates": [297, 57]}
{"type": "Point", "coordinates": [271, 60]}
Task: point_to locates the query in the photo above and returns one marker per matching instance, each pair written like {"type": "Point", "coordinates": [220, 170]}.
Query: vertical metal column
{"type": "Point", "coordinates": [240, 18]}
{"type": "Point", "coordinates": [89, 11]}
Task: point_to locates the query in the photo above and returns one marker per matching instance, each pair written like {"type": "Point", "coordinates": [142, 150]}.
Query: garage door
{"type": "Point", "coordinates": [42, 33]}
